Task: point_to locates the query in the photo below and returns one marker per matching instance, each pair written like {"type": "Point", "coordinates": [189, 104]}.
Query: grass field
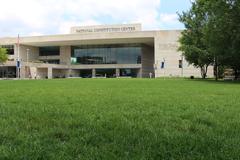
{"type": "Point", "coordinates": [119, 119]}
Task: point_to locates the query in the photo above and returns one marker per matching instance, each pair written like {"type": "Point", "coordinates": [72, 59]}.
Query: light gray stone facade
{"type": "Point", "coordinates": [159, 47]}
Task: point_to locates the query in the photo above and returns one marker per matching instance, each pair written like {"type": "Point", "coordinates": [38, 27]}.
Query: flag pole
{"type": "Point", "coordinates": [18, 59]}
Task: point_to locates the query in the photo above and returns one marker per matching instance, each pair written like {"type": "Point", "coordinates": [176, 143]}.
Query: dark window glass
{"type": "Point", "coordinates": [7, 72]}
{"type": "Point", "coordinates": [107, 54]}
{"type": "Point", "coordinates": [54, 61]}
{"type": "Point", "coordinates": [10, 49]}
{"type": "Point", "coordinates": [129, 72]}
{"type": "Point", "coordinates": [49, 51]}
{"type": "Point", "coordinates": [110, 73]}
{"type": "Point", "coordinates": [180, 65]}
{"type": "Point", "coordinates": [162, 65]}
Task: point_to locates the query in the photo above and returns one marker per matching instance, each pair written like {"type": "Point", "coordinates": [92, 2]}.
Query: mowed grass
{"type": "Point", "coordinates": [119, 119]}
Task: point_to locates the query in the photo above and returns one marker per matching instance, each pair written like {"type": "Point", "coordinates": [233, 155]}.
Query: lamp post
{"type": "Point", "coordinates": [28, 55]}
{"type": "Point", "coordinates": [164, 61]}
{"type": "Point", "coordinates": [18, 58]}
{"type": "Point", "coordinates": [182, 65]}
{"type": "Point", "coordinates": [28, 69]}
{"type": "Point", "coordinates": [155, 66]}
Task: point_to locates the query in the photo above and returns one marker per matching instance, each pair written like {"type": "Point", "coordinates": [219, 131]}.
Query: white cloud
{"type": "Point", "coordinates": [169, 18]}
{"type": "Point", "coordinates": [35, 17]}
{"type": "Point", "coordinates": [65, 26]}
{"type": "Point", "coordinates": [35, 34]}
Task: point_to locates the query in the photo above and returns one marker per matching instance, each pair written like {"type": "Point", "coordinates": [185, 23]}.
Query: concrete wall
{"type": "Point", "coordinates": [33, 53]}
{"type": "Point", "coordinates": [107, 28]}
{"type": "Point", "coordinates": [74, 73]}
{"type": "Point", "coordinates": [166, 46]}
{"type": "Point", "coordinates": [48, 58]}
{"type": "Point", "coordinates": [60, 73]}
{"type": "Point", "coordinates": [65, 55]}
{"type": "Point", "coordinates": [147, 61]}
{"type": "Point", "coordinates": [42, 73]}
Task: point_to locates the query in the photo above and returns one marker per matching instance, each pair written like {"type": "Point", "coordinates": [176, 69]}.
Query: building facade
{"type": "Point", "coordinates": [97, 51]}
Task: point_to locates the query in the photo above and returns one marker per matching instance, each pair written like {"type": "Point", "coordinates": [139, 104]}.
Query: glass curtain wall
{"type": "Point", "coordinates": [107, 54]}
{"type": "Point", "coordinates": [49, 51]}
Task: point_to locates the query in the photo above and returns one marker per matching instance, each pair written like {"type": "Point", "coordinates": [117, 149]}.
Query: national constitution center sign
{"type": "Point", "coordinates": [107, 29]}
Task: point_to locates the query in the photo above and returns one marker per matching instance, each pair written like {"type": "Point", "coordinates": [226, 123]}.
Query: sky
{"type": "Point", "coordinates": [46, 17]}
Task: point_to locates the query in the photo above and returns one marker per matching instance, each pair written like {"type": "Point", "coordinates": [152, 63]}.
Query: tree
{"type": "Point", "coordinates": [216, 32]}
{"type": "Point", "coordinates": [192, 42]}
{"type": "Point", "coordinates": [212, 34]}
{"type": "Point", "coordinates": [222, 33]}
{"type": "Point", "coordinates": [232, 51]}
{"type": "Point", "coordinates": [3, 55]}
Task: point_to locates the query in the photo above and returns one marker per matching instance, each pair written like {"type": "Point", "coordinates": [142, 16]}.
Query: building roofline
{"type": "Point", "coordinates": [68, 39]}
{"type": "Point", "coordinates": [69, 34]}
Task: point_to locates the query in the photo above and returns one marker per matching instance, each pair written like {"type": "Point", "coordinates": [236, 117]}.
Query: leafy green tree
{"type": "Point", "coordinates": [218, 34]}
{"type": "Point", "coordinates": [212, 34]}
{"type": "Point", "coordinates": [215, 32]}
{"type": "Point", "coordinates": [3, 55]}
{"type": "Point", "coordinates": [192, 42]}
{"type": "Point", "coordinates": [222, 33]}
{"type": "Point", "coordinates": [232, 50]}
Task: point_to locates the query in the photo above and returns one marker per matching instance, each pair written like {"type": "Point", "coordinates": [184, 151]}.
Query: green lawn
{"type": "Point", "coordinates": [119, 119]}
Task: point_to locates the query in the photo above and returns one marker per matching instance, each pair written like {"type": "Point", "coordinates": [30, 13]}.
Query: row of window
{"type": "Point", "coordinates": [49, 51]}
{"type": "Point", "coordinates": [43, 51]}
{"type": "Point", "coordinates": [107, 54]}
{"type": "Point", "coordinates": [52, 61]}
{"type": "Point", "coordinates": [180, 64]}
{"type": "Point", "coordinates": [96, 54]}
{"type": "Point", "coordinates": [10, 49]}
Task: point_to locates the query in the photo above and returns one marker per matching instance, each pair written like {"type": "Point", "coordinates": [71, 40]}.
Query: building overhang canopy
{"type": "Point", "coordinates": [147, 41]}
{"type": "Point", "coordinates": [144, 37]}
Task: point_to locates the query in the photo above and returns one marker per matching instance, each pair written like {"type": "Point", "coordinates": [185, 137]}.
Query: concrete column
{"type": "Point", "coordinates": [93, 73]}
{"type": "Point", "coordinates": [139, 73]}
{"type": "Point", "coordinates": [23, 72]}
{"type": "Point", "coordinates": [65, 55]}
{"type": "Point", "coordinates": [117, 72]}
{"type": "Point", "coordinates": [67, 73]}
{"type": "Point", "coordinates": [50, 73]}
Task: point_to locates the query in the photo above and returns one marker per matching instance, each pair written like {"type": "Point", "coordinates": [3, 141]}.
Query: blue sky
{"type": "Point", "coordinates": [171, 7]}
{"type": "Point", "coordinates": [40, 17]}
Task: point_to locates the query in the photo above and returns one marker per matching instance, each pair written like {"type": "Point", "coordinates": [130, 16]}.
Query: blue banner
{"type": "Point", "coordinates": [18, 64]}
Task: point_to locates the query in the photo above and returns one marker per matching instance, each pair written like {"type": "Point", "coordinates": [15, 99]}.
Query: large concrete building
{"type": "Point", "coordinates": [97, 51]}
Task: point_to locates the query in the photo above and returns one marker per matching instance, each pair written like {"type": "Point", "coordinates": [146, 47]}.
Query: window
{"type": "Point", "coordinates": [180, 64]}
{"type": "Point", "coordinates": [10, 49]}
{"type": "Point", "coordinates": [49, 51]}
{"type": "Point", "coordinates": [162, 65]}
{"type": "Point", "coordinates": [107, 54]}
{"type": "Point", "coordinates": [53, 61]}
